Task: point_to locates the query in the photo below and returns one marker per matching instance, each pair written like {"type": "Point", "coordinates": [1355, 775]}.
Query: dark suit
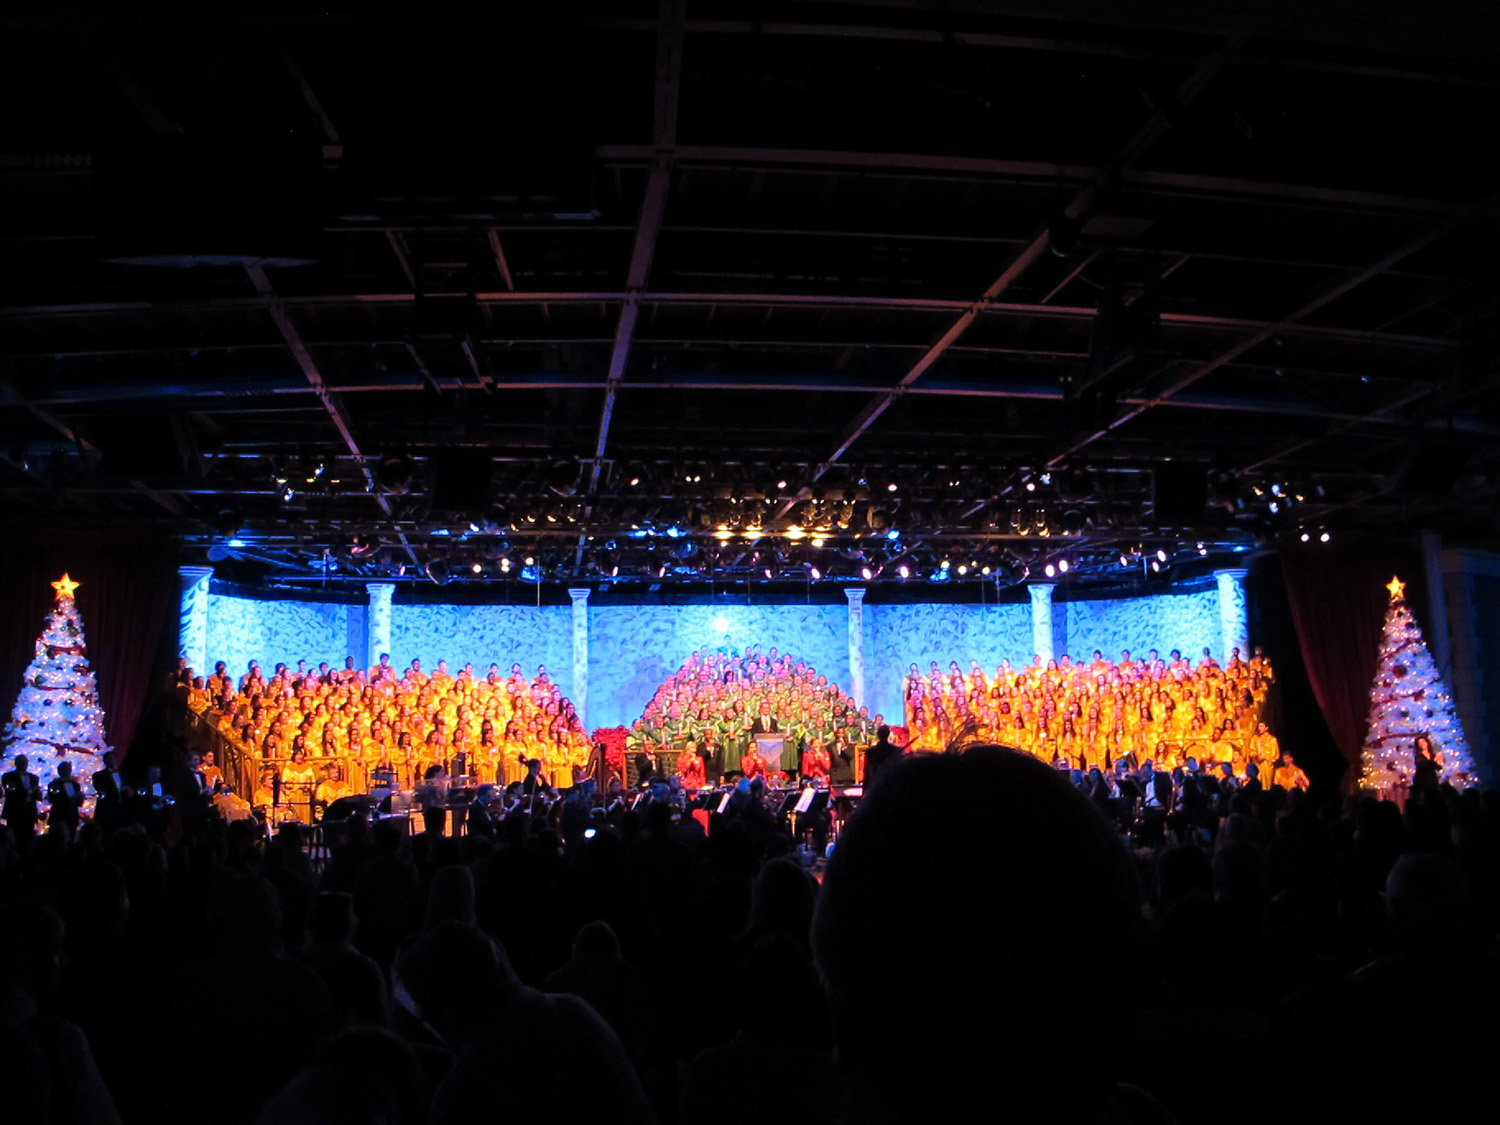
{"type": "Point", "coordinates": [765, 724]}
{"type": "Point", "coordinates": [65, 797]}
{"type": "Point", "coordinates": [22, 791]}
{"type": "Point", "coordinates": [877, 756]}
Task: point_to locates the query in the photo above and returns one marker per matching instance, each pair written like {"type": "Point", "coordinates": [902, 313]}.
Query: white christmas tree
{"type": "Point", "coordinates": [57, 717]}
{"type": "Point", "coordinates": [1409, 701]}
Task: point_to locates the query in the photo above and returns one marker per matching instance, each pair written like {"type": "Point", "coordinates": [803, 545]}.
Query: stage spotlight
{"type": "Point", "coordinates": [288, 494]}
{"type": "Point", "coordinates": [767, 573]}
{"type": "Point", "coordinates": [1155, 566]}
{"type": "Point", "coordinates": [477, 568]}
{"type": "Point", "coordinates": [393, 474]}
{"type": "Point", "coordinates": [1324, 538]}
{"type": "Point", "coordinates": [904, 571]}
{"type": "Point", "coordinates": [891, 487]}
{"type": "Point", "coordinates": [893, 534]}
{"type": "Point", "coordinates": [1124, 559]}
{"type": "Point", "coordinates": [962, 569]}
{"type": "Point", "coordinates": [795, 532]}
{"type": "Point", "coordinates": [1062, 566]}
{"type": "Point", "coordinates": [1161, 554]}
{"type": "Point", "coordinates": [815, 572]}
{"type": "Point", "coordinates": [228, 522]}
{"type": "Point", "coordinates": [1306, 537]}
{"type": "Point", "coordinates": [1050, 571]}
{"type": "Point", "coordinates": [866, 573]}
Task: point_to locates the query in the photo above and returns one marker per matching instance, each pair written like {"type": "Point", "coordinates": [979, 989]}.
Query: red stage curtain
{"type": "Point", "coordinates": [1338, 600]}
{"type": "Point", "coordinates": [128, 598]}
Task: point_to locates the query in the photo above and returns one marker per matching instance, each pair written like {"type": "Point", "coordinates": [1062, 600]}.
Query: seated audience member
{"type": "Point", "coordinates": [507, 1036]}
{"type": "Point", "coordinates": [1028, 878]}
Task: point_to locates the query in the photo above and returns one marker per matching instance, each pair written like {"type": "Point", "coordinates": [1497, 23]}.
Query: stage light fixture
{"type": "Point", "coordinates": [893, 534]}
{"type": "Point", "coordinates": [866, 573]}
{"type": "Point", "coordinates": [891, 487]}
{"type": "Point", "coordinates": [393, 474]}
{"type": "Point", "coordinates": [228, 522]}
{"type": "Point", "coordinates": [904, 571]}
{"type": "Point", "coordinates": [795, 532]}
{"type": "Point", "coordinates": [1324, 538]}
{"type": "Point", "coordinates": [1050, 571]}
{"type": "Point", "coordinates": [1155, 566]}
{"type": "Point", "coordinates": [815, 572]}
{"type": "Point", "coordinates": [1161, 554]}
{"type": "Point", "coordinates": [1306, 536]}
{"type": "Point", "coordinates": [1062, 566]}
{"type": "Point", "coordinates": [477, 568]}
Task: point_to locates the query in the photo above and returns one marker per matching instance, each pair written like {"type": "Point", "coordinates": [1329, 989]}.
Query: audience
{"type": "Point", "coordinates": [992, 936]}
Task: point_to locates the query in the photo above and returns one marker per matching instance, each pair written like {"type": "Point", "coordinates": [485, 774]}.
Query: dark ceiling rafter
{"type": "Point", "coordinates": [1074, 211]}
{"type": "Point", "coordinates": [1324, 296]}
{"type": "Point", "coordinates": [336, 411]}
{"type": "Point", "coordinates": [817, 240]}
{"type": "Point", "coordinates": [665, 95]}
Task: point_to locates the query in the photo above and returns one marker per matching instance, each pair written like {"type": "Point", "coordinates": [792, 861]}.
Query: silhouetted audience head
{"type": "Point", "coordinates": [951, 953]}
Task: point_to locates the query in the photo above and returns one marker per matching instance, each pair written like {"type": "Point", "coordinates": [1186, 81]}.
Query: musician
{"type": "Point", "coordinates": [22, 790]}
{"type": "Point", "coordinates": [264, 797]}
{"type": "Point", "coordinates": [815, 763]}
{"type": "Point", "coordinates": [645, 763]}
{"type": "Point", "coordinates": [690, 767]}
{"type": "Point", "coordinates": [1288, 774]}
{"type": "Point", "coordinates": [65, 796]}
{"type": "Point", "coordinates": [752, 765]}
{"type": "Point", "coordinates": [332, 787]}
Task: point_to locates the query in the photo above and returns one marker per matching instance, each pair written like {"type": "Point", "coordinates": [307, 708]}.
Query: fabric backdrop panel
{"type": "Point", "coordinates": [127, 597]}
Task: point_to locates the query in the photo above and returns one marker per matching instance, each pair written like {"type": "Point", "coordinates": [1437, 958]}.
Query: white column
{"type": "Point", "coordinates": [192, 617]}
{"type": "Point", "coordinates": [378, 619]}
{"type": "Point", "coordinates": [1042, 640]}
{"type": "Point", "coordinates": [580, 693]}
{"type": "Point", "coordinates": [1234, 616]}
{"type": "Point", "coordinates": [856, 596]}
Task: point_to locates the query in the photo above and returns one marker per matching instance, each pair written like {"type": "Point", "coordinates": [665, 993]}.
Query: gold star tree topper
{"type": "Point", "coordinates": [64, 587]}
{"type": "Point", "coordinates": [1395, 586]}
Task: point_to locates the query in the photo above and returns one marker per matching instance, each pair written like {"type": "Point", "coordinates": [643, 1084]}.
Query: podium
{"type": "Point", "coordinates": [771, 747]}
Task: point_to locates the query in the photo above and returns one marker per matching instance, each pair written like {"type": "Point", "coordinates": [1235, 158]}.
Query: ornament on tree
{"type": "Point", "coordinates": [1405, 724]}
{"type": "Point", "coordinates": [55, 718]}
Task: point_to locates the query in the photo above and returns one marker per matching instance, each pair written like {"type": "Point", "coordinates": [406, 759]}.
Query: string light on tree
{"type": "Point", "coordinates": [57, 717]}
{"type": "Point", "coordinates": [1409, 700]}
